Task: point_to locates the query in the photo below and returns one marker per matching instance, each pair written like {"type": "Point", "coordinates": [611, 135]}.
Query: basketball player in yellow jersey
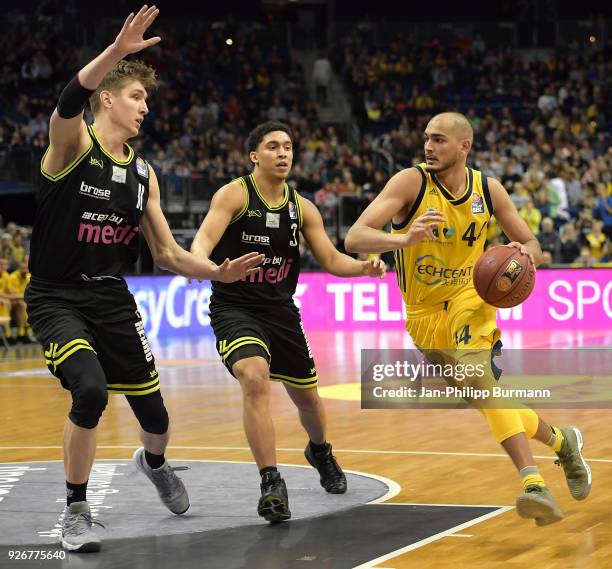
{"type": "Point", "coordinates": [439, 212]}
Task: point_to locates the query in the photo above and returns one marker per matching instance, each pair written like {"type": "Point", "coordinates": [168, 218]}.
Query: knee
{"type": "Point", "coordinates": [308, 400]}
{"type": "Point", "coordinates": [150, 412]}
{"type": "Point", "coordinates": [83, 375]}
{"type": "Point", "coordinates": [88, 404]}
{"type": "Point", "coordinates": [156, 422]}
{"type": "Point", "coordinates": [255, 384]}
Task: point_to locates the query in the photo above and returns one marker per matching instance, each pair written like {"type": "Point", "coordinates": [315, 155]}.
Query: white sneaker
{"type": "Point", "coordinates": [169, 486]}
{"type": "Point", "coordinates": [77, 532]}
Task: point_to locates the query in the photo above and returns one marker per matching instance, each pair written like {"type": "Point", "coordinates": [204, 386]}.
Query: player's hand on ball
{"type": "Point", "coordinates": [523, 250]}
{"type": "Point", "coordinates": [422, 227]}
{"type": "Point", "coordinates": [374, 268]}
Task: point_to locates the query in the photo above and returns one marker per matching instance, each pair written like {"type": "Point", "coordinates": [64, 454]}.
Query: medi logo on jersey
{"type": "Point", "coordinates": [111, 233]}
{"type": "Point", "coordinates": [273, 270]}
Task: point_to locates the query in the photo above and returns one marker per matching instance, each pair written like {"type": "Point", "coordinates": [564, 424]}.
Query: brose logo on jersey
{"type": "Point", "coordinates": [93, 192]}
{"type": "Point", "coordinates": [253, 213]}
{"type": "Point", "coordinates": [261, 239]}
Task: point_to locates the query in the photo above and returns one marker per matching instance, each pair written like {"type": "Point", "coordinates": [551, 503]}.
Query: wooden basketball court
{"type": "Point", "coordinates": [435, 456]}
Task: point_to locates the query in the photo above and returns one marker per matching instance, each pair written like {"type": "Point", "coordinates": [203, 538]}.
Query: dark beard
{"type": "Point", "coordinates": [440, 167]}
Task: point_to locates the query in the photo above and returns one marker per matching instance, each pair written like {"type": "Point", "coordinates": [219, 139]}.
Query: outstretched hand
{"type": "Point", "coordinates": [374, 268]}
{"type": "Point", "coordinates": [131, 37]}
{"type": "Point", "coordinates": [236, 269]}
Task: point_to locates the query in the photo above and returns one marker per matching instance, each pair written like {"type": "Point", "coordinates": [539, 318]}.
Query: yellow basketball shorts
{"type": "Point", "coordinates": [465, 322]}
{"type": "Point", "coordinates": [464, 330]}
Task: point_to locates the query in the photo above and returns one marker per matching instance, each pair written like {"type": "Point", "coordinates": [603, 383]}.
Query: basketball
{"type": "Point", "coordinates": [504, 277]}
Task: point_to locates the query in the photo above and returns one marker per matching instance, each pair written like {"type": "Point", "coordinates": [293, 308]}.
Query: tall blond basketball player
{"type": "Point", "coordinates": [439, 211]}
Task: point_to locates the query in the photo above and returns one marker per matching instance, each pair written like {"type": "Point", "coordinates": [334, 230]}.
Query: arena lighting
{"type": "Point", "coordinates": [593, 39]}
{"type": "Point", "coordinates": [229, 41]}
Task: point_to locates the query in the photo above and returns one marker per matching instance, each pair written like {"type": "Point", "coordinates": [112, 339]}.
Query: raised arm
{"type": "Point", "coordinates": [394, 202]}
{"type": "Point", "coordinates": [170, 256]}
{"type": "Point", "coordinates": [326, 254]}
{"type": "Point", "coordinates": [68, 136]}
{"type": "Point", "coordinates": [512, 224]}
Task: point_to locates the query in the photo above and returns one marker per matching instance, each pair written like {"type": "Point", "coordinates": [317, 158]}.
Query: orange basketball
{"type": "Point", "coordinates": [504, 277]}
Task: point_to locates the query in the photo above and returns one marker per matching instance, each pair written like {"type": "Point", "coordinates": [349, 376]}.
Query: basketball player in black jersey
{"type": "Point", "coordinates": [257, 326]}
{"type": "Point", "coordinates": [95, 195]}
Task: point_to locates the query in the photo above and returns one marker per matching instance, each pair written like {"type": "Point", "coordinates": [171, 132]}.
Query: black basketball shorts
{"type": "Point", "coordinates": [273, 332]}
{"type": "Point", "coordinates": [99, 316]}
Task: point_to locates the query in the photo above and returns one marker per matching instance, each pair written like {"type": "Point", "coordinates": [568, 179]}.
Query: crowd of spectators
{"type": "Point", "coordinates": [14, 277]}
{"type": "Point", "coordinates": [541, 125]}
{"type": "Point", "coordinates": [212, 91]}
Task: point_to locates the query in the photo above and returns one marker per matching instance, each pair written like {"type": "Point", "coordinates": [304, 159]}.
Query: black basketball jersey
{"type": "Point", "coordinates": [274, 231]}
{"type": "Point", "coordinates": [87, 221]}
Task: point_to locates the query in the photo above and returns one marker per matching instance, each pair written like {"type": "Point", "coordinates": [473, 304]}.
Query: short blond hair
{"type": "Point", "coordinates": [119, 75]}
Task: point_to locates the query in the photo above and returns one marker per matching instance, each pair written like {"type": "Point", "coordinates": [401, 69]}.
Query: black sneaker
{"type": "Point", "coordinates": [274, 503]}
{"type": "Point", "coordinates": [332, 477]}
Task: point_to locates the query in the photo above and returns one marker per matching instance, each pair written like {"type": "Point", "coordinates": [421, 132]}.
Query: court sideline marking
{"type": "Point", "coordinates": [286, 449]}
{"type": "Point", "coordinates": [447, 533]}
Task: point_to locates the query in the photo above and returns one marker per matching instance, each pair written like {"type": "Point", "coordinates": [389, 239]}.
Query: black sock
{"type": "Point", "coordinates": [317, 448]}
{"type": "Point", "coordinates": [75, 492]}
{"type": "Point", "coordinates": [268, 469]}
{"type": "Point", "coordinates": [154, 460]}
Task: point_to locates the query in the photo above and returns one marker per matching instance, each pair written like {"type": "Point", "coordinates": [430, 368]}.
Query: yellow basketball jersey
{"type": "Point", "coordinates": [433, 272]}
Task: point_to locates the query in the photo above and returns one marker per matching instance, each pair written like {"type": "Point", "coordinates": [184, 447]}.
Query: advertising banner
{"type": "Point", "coordinates": [563, 299]}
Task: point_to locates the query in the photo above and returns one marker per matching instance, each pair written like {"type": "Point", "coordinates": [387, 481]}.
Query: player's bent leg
{"type": "Point", "coordinates": [311, 411]}
{"type": "Point", "coordinates": [511, 427]}
{"type": "Point", "coordinates": [254, 378]}
{"type": "Point", "coordinates": [82, 374]}
{"type": "Point", "coordinates": [318, 452]}
{"type": "Point", "coordinates": [153, 418]}
{"type": "Point", "coordinates": [253, 375]}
